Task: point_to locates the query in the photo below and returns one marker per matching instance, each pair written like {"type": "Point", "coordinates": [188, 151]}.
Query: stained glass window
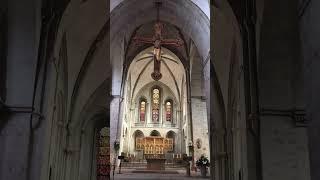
{"type": "Point", "coordinates": [155, 104]}
{"type": "Point", "coordinates": [168, 111]}
{"type": "Point", "coordinates": [142, 111]}
{"type": "Point", "coordinates": [103, 154]}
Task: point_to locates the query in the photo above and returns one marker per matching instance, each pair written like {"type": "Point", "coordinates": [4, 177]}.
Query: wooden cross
{"type": "Point", "coordinates": [157, 40]}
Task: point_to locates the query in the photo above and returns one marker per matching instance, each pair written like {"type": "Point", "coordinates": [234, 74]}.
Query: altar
{"type": "Point", "coordinates": [154, 149]}
{"type": "Point", "coordinates": [156, 164]}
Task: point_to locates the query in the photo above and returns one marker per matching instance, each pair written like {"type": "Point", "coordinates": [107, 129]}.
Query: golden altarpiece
{"type": "Point", "coordinates": [154, 147]}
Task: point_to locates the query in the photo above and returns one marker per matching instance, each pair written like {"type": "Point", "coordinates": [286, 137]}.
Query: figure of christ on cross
{"type": "Point", "coordinates": [157, 41]}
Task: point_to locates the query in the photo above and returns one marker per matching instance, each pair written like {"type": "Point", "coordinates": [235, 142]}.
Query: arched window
{"type": "Point", "coordinates": [155, 104]}
{"type": "Point", "coordinates": [142, 111]}
{"type": "Point", "coordinates": [169, 111]}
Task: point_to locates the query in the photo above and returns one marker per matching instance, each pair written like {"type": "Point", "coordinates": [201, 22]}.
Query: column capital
{"type": "Point", "coordinates": [116, 96]}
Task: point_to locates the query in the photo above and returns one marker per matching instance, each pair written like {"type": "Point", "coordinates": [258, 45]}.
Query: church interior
{"type": "Point", "coordinates": [159, 89]}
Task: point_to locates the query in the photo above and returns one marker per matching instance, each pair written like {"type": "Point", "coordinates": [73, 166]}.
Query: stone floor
{"type": "Point", "coordinates": [172, 174]}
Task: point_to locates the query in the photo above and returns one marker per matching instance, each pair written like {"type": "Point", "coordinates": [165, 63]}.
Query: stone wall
{"type": "Point", "coordinates": [200, 127]}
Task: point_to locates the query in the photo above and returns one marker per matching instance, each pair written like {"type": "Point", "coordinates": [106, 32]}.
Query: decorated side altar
{"type": "Point", "coordinates": [154, 149]}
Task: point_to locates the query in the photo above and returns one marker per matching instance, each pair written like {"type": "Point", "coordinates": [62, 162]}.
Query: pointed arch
{"type": "Point", "coordinates": [172, 135]}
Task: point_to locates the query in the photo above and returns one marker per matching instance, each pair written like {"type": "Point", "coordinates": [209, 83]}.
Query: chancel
{"type": "Point", "coordinates": [156, 114]}
{"type": "Point", "coordinates": [156, 117]}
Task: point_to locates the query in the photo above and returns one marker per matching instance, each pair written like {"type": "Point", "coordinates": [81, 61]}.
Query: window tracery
{"type": "Point", "coordinates": [155, 104]}
{"type": "Point", "coordinates": [142, 111]}
{"type": "Point", "coordinates": [168, 106]}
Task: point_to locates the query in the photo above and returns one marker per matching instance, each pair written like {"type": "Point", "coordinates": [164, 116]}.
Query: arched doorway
{"type": "Point", "coordinates": [138, 154]}
{"type": "Point", "coordinates": [172, 135]}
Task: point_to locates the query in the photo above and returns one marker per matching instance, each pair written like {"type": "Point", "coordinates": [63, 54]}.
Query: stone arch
{"type": "Point", "coordinates": [155, 133]}
{"type": "Point", "coordinates": [227, 89]}
{"type": "Point", "coordinates": [173, 135]}
{"type": "Point", "coordinates": [138, 133]}
{"type": "Point", "coordinates": [94, 114]}
{"type": "Point", "coordinates": [88, 152]}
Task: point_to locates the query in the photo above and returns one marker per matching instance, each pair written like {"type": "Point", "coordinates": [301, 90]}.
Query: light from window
{"type": "Point", "coordinates": [168, 111]}
{"type": "Point", "coordinates": [155, 104]}
{"type": "Point", "coordinates": [142, 111]}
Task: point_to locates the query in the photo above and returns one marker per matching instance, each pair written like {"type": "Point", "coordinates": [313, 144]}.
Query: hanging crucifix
{"type": "Point", "coordinates": [157, 41]}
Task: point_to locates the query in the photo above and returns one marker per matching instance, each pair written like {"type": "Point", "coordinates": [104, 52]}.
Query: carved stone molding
{"type": "Point", "coordinates": [298, 115]}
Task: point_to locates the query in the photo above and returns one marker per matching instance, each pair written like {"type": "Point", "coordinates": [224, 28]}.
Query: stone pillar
{"type": "Point", "coordinates": [178, 119]}
{"type": "Point", "coordinates": [73, 154]}
{"type": "Point", "coordinates": [115, 127]}
{"type": "Point", "coordinates": [18, 139]}
{"type": "Point", "coordinates": [200, 127]}
{"type": "Point", "coordinates": [281, 138]}
{"type": "Point", "coordinates": [310, 40]}
{"type": "Point", "coordinates": [148, 113]}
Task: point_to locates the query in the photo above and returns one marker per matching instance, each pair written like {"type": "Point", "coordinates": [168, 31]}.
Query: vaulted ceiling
{"type": "Point", "coordinates": [172, 70]}
{"type": "Point", "coordinates": [202, 4]}
{"type": "Point", "coordinates": [169, 32]}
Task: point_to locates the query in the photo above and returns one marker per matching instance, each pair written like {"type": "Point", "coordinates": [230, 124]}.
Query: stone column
{"type": "Point", "coordinates": [177, 119]}
{"type": "Point", "coordinates": [281, 138]}
{"type": "Point", "coordinates": [73, 154]}
{"type": "Point", "coordinates": [310, 40]}
{"type": "Point", "coordinates": [18, 139]}
{"type": "Point", "coordinates": [148, 114]}
{"type": "Point", "coordinates": [115, 127]}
